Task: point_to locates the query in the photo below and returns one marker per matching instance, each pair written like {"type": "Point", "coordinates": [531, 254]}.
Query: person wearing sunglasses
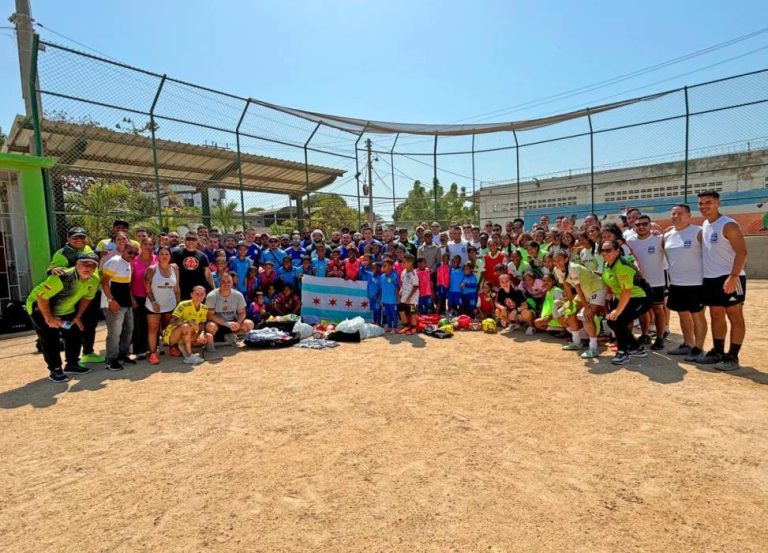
{"type": "Point", "coordinates": [117, 303]}
{"type": "Point", "coordinates": [631, 300]}
{"type": "Point", "coordinates": [194, 268]}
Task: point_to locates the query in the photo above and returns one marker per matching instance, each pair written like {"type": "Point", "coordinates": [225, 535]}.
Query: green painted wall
{"type": "Point", "coordinates": [30, 170]}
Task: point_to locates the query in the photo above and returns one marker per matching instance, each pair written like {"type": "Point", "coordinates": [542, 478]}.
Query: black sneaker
{"type": "Point", "coordinates": [693, 355]}
{"type": "Point", "coordinates": [639, 352]}
{"type": "Point", "coordinates": [682, 349]}
{"type": "Point", "coordinates": [114, 365]}
{"type": "Point", "coordinates": [126, 360]}
{"type": "Point", "coordinates": [658, 344]}
{"type": "Point", "coordinates": [709, 358]}
{"type": "Point", "coordinates": [76, 369]}
{"type": "Point", "coordinates": [644, 340]}
{"type": "Point", "coordinates": [57, 375]}
{"type": "Point", "coordinates": [621, 358]}
{"type": "Point", "coordinates": [727, 363]}
{"type": "Point", "coordinates": [665, 334]}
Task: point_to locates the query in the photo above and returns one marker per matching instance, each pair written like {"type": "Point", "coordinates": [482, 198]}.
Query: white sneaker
{"type": "Point", "coordinates": [530, 331]}
{"type": "Point", "coordinates": [193, 359]}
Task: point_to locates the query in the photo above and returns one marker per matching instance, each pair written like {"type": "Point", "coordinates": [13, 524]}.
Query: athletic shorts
{"type": "Point", "coordinates": [716, 297]}
{"type": "Point", "coordinates": [454, 299]}
{"type": "Point", "coordinates": [686, 298]}
{"type": "Point", "coordinates": [441, 292]}
{"type": "Point", "coordinates": [598, 298]}
{"type": "Point", "coordinates": [657, 295]}
{"type": "Point", "coordinates": [221, 332]}
{"type": "Point", "coordinates": [406, 308]}
{"type": "Point", "coordinates": [469, 301]}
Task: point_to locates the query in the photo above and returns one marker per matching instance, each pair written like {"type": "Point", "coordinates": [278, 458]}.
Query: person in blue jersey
{"type": "Point", "coordinates": [369, 273]}
{"type": "Point", "coordinates": [388, 283]}
{"type": "Point", "coordinates": [273, 252]}
{"type": "Point", "coordinates": [288, 274]}
{"type": "Point", "coordinates": [468, 287]}
{"type": "Point", "coordinates": [320, 261]}
{"type": "Point", "coordinates": [254, 247]}
{"type": "Point", "coordinates": [295, 252]}
{"type": "Point", "coordinates": [454, 284]}
{"type": "Point", "coordinates": [240, 266]}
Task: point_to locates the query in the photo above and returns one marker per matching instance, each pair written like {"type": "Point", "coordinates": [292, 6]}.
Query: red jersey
{"type": "Point", "coordinates": [351, 270]}
{"type": "Point", "coordinates": [444, 275]}
{"type": "Point", "coordinates": [487, 303]}
{"type": "Point", "coordinates": [335, 268]}
{"type": "Point", "coordinates": [490, 267]}
{"type": "Point", "coordinates": [425, 283]}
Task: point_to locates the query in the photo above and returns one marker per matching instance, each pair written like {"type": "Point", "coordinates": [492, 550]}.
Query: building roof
{"type": "Point", "coordinates": [101, 152]}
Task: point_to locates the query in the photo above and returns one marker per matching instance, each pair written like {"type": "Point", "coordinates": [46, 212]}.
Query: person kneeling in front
{"type": "Point", "coordinates": [188, 327]}
{"type": "Point", "coordinates": [57, 306]}
{"type": "Point", "coordinates": [226, 312]}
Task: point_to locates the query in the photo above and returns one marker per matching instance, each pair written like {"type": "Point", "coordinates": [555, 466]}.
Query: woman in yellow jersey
{"type": "Point", "coordinates": [630, 300]}
{"type": "Point", "coordinates": [188, 327]}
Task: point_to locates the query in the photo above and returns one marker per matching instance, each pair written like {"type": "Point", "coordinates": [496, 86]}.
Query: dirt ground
{"type": "Point", "coordinates": [478, 443]}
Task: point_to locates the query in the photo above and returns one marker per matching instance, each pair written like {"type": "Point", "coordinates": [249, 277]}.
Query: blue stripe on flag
{"type": "Point", "coordinates": [360, 289]}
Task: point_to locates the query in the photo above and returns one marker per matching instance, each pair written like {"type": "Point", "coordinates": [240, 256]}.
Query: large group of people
{"type": "Point", "coordinates": [589, 283]}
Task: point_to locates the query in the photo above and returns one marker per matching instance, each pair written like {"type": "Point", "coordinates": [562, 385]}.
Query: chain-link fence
{"type": "Point", "coordinates": [163, 153]}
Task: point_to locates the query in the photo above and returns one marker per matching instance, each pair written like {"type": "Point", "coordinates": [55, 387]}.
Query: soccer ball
{"type": "Point", "coordinates": [489, 325]}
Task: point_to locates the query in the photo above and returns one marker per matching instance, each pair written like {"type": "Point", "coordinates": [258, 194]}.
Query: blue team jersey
{"type": "Point", "coordinates": [210, 254]}
{"type": "Point", "coordinates": [241, 267]}
{"type": "Point", "coordinates": [470, 285]}
{"type": "Point", "coordinates": [275, 256]}
{"type": "Point", "coordinates": [289, 276]}
{"type": "Point", "coordinates": [373, 288]}
{"type": "Point", "coordinates": [295, 255]}
{"type": "Point", "coordinates": [457, 274]}
{"type": "Point", "coordinates": [320, 267]}
{"type": "Point", "coordinates": [388, 284]}
{"type": "Point", "coordinates": [254, 252]}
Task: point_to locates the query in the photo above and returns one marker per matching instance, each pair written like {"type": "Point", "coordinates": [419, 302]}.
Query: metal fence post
{"type": "Point", "coordinates": [306, 171]}
{"type": "Point", "coordinates": [687, 129]}
{"type": "Point", "coordinates": [240, 164]}
{"type": "Point", "coordinates": [357, 179]}
{"type": "Point", "coordinates": [517, 170]}
{"type": "Point", "coordinates": [154, 152]}
{"type": "Point", "coordinates": [434, 176]}
{"type": "Point", "coordinates": [474, 197]}
{"type": "Point", "coordinates": [392, 166]}
{"type": "Point", "coordinates": [591, 164]}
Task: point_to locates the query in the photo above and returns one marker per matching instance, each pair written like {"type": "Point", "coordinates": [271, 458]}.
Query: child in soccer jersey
{"type": "Point", "coordinates": [320, 266]}
{"type": "Point", "coordinates": [369, 272]}
{"type": "Point", "coordinates": [477, 262]}
{"type": "Point", "coordinates": [399, 261]}
{"type": "Point", "coordinates": [286, 302]}
{"type": "Point", "coordinates": [425, 287]}
{"type": "Point", "coordinates": [468, 286]}
{"type": "Point", "coordinates": [352, 265]}
{"type": "Point", "coordinates": [443, 282]}
{"type": "Point", "coordinates": [269, 295]}
{"type": "Point", "coordinates": [220, 266]}
{"type": "Point", "coordinates": [409, 296]}
{"type": "Point", "coordinates": [288, 274]}
{"type": "Point", "coordinates": [267, 276]}
{"type": "Point", "coordinates": [549, 317]}
{"type": "Point", "coordinates": [252, 283]}
{"type": "Point", "coordinates": [257, 311]}
{"type": "Point", "coordinates": [388, 284]}
{"type": "Point", "coordinates": [487, 304]}
{"type": "Point", "coordinates": [454, 286]}
{"type": "Point", "coordinates": [335, 265]}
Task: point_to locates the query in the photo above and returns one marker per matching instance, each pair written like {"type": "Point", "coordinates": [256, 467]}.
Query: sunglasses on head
{"type": "Point", "coordinates": [607, 250]}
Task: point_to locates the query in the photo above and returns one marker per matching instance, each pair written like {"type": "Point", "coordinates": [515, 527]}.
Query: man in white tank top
{"type": "Point", "coordinates": [724, 253]}
{"type": "Point", "coordinates": [682, 247]}
{"type": "Point", "coordinates": [649, 255]}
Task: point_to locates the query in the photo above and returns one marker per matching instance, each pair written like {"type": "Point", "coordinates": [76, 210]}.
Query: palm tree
{"type": "Point", "coordinates": [95, 207]}
{"type": "Point", "coordinates": [224, 216]}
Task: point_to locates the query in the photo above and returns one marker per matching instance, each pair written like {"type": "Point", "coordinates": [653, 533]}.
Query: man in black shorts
{"type": "Point", "coordinates": [724, 253]}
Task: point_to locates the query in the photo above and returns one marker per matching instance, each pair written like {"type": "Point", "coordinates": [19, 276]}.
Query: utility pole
{"type": "Point", "coordinates": [368, 146]}
{"type": "Point", "coordinates": [22, 20]}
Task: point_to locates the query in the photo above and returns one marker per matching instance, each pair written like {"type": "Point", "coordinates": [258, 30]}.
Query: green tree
{"type": "Point", "coordinates": [96, 206]}
{"type": "Point", "coordinates": [330, 212]}
{"type": "Point", "coordinates": [452, 206]}
{"type": "Point", "coordinates": [224, 217]}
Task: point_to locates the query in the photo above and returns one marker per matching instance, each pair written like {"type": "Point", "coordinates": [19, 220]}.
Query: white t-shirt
{"type": "Point", "coordinates": [409, 282]}
{"type": "Point", "coordinates": [459, 249]}
{"type": "Point", "coordinates": [650, 258]}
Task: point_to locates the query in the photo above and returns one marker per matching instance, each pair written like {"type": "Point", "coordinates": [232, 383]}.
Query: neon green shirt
{"type": "Point", "coordinates": [67, 256]}
{"type": "Point", "coordinates": [64, 292]}
{"type": "Point", "coordinates": [620, 276]}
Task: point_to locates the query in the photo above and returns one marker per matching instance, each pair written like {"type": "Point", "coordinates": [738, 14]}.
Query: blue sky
{"type": "Point", "coordinates": [410, 61]}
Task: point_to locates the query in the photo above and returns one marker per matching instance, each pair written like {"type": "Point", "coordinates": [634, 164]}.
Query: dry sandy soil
{"type": "Point", "coordinates": [479, 443]}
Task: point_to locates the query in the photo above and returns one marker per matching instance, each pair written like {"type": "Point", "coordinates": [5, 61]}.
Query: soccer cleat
{"type": "Point", "coordinates": [621, 358]}
{"type": "Point", "coordinates": [154, 359]}
{"type": "Point", "coordinates": [57, 375]}
{"type": "Point", "coordinates": [658, 344]}
{"type": "Point", "coordinates": [727, 363]}
{"type": "Point", "coordinates": [76, 369]}
{"type": "Point", "coordinates": [682, 349]}
{"type": "Point", "coordinates": [114, 365]}
{"type": "Point", "coordinates": [126, 359]}
{"type": "Point", "coordinates": [709, 358]}
{"type": "Point", "coordinates": [590, 354]}
{"type": "Point", "coordinates": [639, 352]}
{"type": "Point", "coordinates": [92, 358]}
{"type": "Point", "coordinates": [571, 347]}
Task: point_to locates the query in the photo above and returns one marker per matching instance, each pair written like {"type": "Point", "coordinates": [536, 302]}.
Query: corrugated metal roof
{"type": "Point", "coordinates": [97, 151]}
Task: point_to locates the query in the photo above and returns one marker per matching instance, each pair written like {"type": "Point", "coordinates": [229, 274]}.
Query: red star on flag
{"type": "Point", "coordinates": [364, 304]}
{"type": "Point", "coordinates": [348, 303]}
{"type": "Point", "coordinates": [332, 302]}
{"type": "Point", "coordinates": [316, 301]}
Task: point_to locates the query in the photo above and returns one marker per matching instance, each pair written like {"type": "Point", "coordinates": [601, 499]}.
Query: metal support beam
{"type": "Point", "coordinates": [474, 197]}
{"type": "Point", "coordinates": [240, 163]}
{"type": "Point", "coordinates": [687, 132]}
{"type": "Point", "coordinates": [517, 170]}
{"type": "Point", "coordinates": [306, 171]}
{"type": "Point", "coordinates": [392, 167]}
{"type": "Point", "coordinates": [591, 164]}
{"type": "Point", "coordinates": [357, 179]}
{"type": "Point", "coordinates": [155, 163]}
{"type": "Point", "coordinates": [434, 177]}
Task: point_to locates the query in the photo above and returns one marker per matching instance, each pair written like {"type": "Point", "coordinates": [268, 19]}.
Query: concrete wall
{"type": "Point", "coordinates": [757, 259]}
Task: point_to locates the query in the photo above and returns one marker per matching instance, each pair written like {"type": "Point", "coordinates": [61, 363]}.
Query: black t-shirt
{"type": "Point", "coordinates": [514, 294]}
{"type": "Point", "coordinates": [192, 265]}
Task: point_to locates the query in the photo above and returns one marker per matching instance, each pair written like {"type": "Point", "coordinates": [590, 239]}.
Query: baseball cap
{"type": "Point", "coordinates": [88, 257]}
{"type": "Point", "coordinates": [77, 231]}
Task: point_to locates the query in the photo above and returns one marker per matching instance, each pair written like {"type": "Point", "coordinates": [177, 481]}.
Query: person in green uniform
{"type": "Point", "coordinates": [56, 307]}
{"type": "Point", "coordinates": [630, 300]}
{"type": "Point", "coordinates": [63, 259]}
